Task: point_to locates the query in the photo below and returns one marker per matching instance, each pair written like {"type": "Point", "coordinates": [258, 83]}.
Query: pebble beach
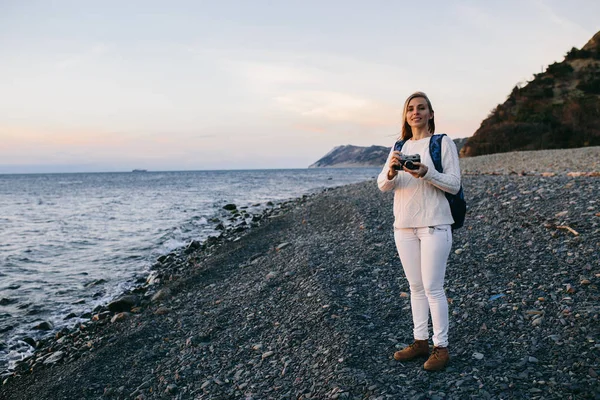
{"type": "Point", "coordinates": [584, 160]}
{"type": "Point", "coordinates": [311, 302]}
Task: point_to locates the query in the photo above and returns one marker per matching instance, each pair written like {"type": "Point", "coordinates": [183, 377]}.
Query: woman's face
{"type": "Point", "coordinates": [417, 113]}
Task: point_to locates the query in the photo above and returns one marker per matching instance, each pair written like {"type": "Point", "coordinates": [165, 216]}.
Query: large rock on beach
{"type": "Point", "coordinates": [230, 207]}
{"type": "Point", "coordinates": [124, 303]}
{"type": "Point", "coordinates": [192, 246]}
{"type": "Point", "coordinates": [44, 326]}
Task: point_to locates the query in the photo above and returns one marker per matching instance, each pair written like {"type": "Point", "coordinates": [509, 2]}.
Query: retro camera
{"type": "Point", "coordinates": [408, 161]}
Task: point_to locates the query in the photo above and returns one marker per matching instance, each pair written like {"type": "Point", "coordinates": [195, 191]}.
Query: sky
{"type": "Point", "coordinates": [195, 85]}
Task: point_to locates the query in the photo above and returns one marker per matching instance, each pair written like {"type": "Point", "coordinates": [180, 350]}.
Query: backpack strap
{"type": "Point", "coordinates": [398, 145]}
{"type": "Point", "coordinates": [435, 150]}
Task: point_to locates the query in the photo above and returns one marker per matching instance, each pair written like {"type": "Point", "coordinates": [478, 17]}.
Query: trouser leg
{"type": "Point", "coordinates": [435, 248]}
{"type": "Point", "coordinates": [409, 250]}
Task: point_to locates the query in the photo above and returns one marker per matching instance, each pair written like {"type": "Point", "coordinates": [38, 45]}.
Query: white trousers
{"type": "Point", "coordinates": [423, 253]}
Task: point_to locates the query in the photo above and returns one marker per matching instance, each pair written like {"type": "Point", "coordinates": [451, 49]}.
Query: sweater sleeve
{"type": "Point", "coordinates": [449, 180]}
{"type": "Point", "coordinates": [385, 185]}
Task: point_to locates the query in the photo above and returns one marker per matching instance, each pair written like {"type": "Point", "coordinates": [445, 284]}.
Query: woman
{"type": "Point", "coordinates": [422, 231]}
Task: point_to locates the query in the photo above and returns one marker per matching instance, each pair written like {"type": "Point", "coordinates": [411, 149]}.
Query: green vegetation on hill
{"type": "Point", "coordinates": [559, 108]}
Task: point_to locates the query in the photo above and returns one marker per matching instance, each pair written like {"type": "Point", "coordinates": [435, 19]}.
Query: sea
{"type": "Point", "coordinates": [70, 242]}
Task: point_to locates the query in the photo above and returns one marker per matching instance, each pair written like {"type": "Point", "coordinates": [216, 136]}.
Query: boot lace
{"type": "Point", "coordinates": [436, 351]}
{"type": "Point", "coordinates": [413, 345]}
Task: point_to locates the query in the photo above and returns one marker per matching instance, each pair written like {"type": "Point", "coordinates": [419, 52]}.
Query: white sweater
{"type": "Point", "coordinates": [420, 202]}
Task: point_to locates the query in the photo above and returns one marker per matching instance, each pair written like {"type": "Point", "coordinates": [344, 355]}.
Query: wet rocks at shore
{"type": "Point", "coordinates": [39, 322]}
{"type": "Point", "coordinates": [123, 303]}
{"type": "Point", "coordinates": [312, 303]}
{"type": "Point", "coordinates": [151, 289]}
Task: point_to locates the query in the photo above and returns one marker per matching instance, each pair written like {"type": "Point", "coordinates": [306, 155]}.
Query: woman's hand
{"type": "Point", "coordinates": [394, 162]}
{"type": "Point", "coordinates": [417, 173]}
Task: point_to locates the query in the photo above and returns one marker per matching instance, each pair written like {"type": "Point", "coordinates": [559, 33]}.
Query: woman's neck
{"type": "Point", "coordinates": [418, 134]}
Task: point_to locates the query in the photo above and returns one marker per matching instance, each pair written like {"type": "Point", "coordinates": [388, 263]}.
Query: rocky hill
{"type": "Point", "coordinates": [353, 156]}
{"type": "Point", "coordinates": [356, 156]}
{"type": "Point", "coordinates": [559, 108]}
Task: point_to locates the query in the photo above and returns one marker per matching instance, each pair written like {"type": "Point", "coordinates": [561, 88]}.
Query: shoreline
{"type": "Point", "coordinates": [277, 262]}
{"type": "Point", "coordinates": [232, 223]}
{"type": "Point", "coordinates": [20, 334]}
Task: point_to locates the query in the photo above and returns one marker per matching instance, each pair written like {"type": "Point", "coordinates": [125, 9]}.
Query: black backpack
{"type": "Point", "coordinates": [458, 205]}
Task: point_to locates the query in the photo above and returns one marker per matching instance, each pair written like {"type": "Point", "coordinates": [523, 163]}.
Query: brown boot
{"type": "Point", "coordinates": [438, 359]}
{"type": "Point", "coordinates": [420, 348]}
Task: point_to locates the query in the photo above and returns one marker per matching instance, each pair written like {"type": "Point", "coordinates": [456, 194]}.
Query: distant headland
{"type": "Point", "coordinates": [355, 156]}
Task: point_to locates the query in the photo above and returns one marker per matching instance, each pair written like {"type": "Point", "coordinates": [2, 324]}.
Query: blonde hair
{"type": "Point", "coordinates": [406, 129]}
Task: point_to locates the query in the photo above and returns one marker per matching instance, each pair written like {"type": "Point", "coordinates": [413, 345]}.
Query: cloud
{"type": "Point", "coordinates": [272, 74]}
{"type": "Point", "coordinates": [264, 71]}
{"type": "Point", "coordinates": [339, 107]}
{"type": "Point", "coordinates": [26, 144]}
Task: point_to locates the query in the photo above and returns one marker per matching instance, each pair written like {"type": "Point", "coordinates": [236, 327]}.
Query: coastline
{"type": "Point", "coordinates": [307, 304]}
{"type": "Point", "coordinates": [230, 224]}
{"type": "Point", "coordinates": [80, 274]}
